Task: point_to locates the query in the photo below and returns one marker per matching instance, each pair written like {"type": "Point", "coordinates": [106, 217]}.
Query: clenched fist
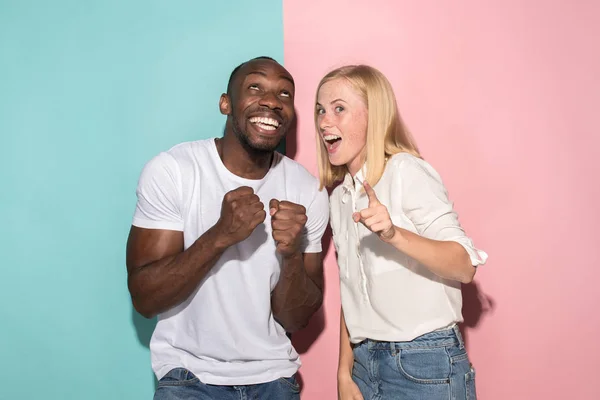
{"type": "Point", "coordinates": [287, 220]}
{"type": "Point", "coordinates": [241, 212]}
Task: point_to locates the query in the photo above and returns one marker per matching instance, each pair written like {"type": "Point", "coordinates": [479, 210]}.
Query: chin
{"type": "Point", "coordinates": [336, 162]}
{"type": "Point", "coordinates": [265, 145]}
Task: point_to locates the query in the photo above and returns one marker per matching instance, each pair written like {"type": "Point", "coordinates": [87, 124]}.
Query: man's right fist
{"type": "Point", "coordinates": [241, 212]}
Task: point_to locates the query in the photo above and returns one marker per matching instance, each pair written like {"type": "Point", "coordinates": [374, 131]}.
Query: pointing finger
{"type": "Point", "coordinates": [373, 200]}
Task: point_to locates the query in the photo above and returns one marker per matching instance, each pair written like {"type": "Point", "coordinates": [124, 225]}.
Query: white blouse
{"type": "Point", "coordinates": [387, 295]}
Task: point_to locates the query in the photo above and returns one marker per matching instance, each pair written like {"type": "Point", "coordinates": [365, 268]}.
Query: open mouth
{"type": "Point", "coordinates": [265, 123]}
{"type": "Point", "coordinates": [331, 141]}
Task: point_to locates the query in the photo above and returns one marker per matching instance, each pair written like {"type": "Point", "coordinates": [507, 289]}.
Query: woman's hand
{"type": "Point", "coordinates": [376, 217]}
{"type": "Point", "coordinates": [348, 390]}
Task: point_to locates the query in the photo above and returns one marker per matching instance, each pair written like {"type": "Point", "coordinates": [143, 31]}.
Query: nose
{"type": "Point", "coordinates": [324, 122]}
{"type": "Point", "coordinates": [271, 101]}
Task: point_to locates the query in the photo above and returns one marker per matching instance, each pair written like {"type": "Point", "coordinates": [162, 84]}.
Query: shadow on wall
{"type": "Point", "coordinates": [475, 305]}
{"type": "Point", "coordinates": [144, 328]}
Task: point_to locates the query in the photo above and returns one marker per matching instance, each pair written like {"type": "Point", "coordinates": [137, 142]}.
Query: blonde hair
{"type": "Point", "coordinates": [386, 133]}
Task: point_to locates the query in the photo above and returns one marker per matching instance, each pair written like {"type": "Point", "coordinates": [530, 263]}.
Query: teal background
{"type": "Point", "coordinates": [89, 92]}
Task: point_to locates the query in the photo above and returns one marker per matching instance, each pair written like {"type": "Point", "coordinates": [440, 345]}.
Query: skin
{"type": "Point", "coordinates": [161, 274]}
{"type": "Point", "coordinates": [342, 112]}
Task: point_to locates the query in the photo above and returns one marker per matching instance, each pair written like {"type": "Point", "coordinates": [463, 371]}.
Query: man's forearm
{"type": "Point", "coordinates": [164, 284]}
{"type": "Point", "coordinates": [296, 296]}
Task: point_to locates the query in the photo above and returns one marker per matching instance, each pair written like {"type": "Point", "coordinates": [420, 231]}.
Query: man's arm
{"type": "Point", "coordinates": [299, 292]}
{"type": "Point", "coordinates": [161, 275]}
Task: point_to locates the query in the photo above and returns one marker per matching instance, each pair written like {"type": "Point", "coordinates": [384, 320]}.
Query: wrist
{"type": "Point", "coordinates": [344, 375]}
{"type": "Point", "coordinates": [220, 241]}
{"type": "Point", "coordinates": [399, 239]}
{"type": "Point", "coordinates": [295, 256]}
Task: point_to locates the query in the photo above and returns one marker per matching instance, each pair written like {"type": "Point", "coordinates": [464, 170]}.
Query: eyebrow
{"type": "Point", "coordinates": [333, 101]}
{"type": "Point", "coordinates": [287, 78]}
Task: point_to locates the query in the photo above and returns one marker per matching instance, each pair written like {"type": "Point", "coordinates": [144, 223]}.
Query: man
{"type": "Point", "coordinates": [226, 275]}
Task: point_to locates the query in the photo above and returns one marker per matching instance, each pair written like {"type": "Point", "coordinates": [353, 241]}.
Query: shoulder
{"type": "Point", "coordinates": [297, 172]}
{"type": "Point", "coordinates": [191, 151]}
{"type": "Point", "coordinates": [405, 165]}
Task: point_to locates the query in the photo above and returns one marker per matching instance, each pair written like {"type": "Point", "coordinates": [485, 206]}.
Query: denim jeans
{"type": "Point", "coordinates": [434, 366]}
{"type": "Point", "coordinates": [181, 384]}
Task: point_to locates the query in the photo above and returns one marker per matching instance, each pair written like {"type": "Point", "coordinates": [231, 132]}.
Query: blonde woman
{"type": "Point", "coordinates": [402, 253]}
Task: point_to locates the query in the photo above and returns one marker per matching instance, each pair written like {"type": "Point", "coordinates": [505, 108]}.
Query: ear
{"type": "Point", "coordinates": [225, 104]}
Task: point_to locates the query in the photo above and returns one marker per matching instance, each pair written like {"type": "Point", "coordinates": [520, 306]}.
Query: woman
{"type": "Point", "coordinates": [402, 253]}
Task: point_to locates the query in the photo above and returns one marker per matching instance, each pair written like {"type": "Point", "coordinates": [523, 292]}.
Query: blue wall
{"type": "Point", "coordinates": [89, 91]}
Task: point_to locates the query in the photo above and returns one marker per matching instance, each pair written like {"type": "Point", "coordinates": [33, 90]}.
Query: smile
{"type": "Point", "coordinates": [330, 139]}
{"type": "Point", "coordinates": [268, 124]}
{"type": "Point", "coordinates": [332, 142]}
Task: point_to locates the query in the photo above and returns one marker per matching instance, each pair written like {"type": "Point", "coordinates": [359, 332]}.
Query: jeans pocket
{"type": "Point", "coordinates": [425, 365]}
{"type": "Point", "coordinates": [470, 384]}
{"type": "Point", "coordinates": [292, 383]}
{"type": "Point", "coordinates": [178, 377]}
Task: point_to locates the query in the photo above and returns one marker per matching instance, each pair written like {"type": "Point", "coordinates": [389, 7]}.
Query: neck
{"type": "Point", "coordinates": [242, 161]}
{"type": "Point", "coordinates": [355, 166]}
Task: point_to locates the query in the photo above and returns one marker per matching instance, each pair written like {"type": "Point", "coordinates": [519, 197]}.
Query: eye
{"type": "Point", "coordinates": [339, 109]}
{"type": "Point", "coordinates": [286, 93]}
{"type": "Point", "coordinates": [320, 111]}
{"type": "Point", "coordinates": [254, 86]}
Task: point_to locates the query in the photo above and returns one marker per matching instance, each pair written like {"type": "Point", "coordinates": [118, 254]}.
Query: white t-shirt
{"type": "Point", "coordinates": [387, 295]}
{"type": "Point", "coordinates": [225, 332]}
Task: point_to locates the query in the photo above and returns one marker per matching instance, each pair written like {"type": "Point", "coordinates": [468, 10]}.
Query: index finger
{"type": "Point", "coordinates": [373, 200]}
{"type": "Point", "coordinates": [288, 205]}
{"type": "Point", "coordinates": [242, 191]}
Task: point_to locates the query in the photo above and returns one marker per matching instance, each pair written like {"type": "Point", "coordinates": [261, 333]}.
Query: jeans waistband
{"type": "Point", "coordinates": [442, 338]}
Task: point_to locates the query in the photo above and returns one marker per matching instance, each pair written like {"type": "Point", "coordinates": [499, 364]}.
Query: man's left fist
{"type": "Point", "coordinates": [287, 220]}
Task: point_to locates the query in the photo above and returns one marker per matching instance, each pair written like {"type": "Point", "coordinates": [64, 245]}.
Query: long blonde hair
{"type": "Point", "coordinates": [386, 133]}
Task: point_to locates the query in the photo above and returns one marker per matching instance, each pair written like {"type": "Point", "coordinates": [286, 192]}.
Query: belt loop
{"type": "Point", "coordinates": [393, 348]}
{"type": "Point", "coordinates": [461, 342]}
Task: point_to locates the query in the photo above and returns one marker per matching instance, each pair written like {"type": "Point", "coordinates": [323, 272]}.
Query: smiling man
{"type": "Point", "coordinates": [225, 247]}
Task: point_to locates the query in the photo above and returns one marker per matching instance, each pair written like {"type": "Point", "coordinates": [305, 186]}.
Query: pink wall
{"type": "Point", "coordinates": [502, 98]}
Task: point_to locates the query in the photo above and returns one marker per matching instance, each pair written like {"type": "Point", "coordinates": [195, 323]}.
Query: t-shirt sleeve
{"type": "Point", "coordinates": [425, 202]}
{"type": "Point", "coordinates": [318, 217]}
{"type": "Point", "coordinates": [158, 195]}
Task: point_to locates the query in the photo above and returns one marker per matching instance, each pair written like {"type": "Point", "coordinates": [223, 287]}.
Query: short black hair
{"type": "Point", "coordinates": [236, 69]}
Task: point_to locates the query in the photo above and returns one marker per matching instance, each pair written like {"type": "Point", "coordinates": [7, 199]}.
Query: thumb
{"type": "Point", "coordinates": [273, 206]}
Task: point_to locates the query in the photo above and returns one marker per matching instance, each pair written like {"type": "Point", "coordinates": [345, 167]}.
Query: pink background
{"type": "Point", "coordinates": [502, 99]}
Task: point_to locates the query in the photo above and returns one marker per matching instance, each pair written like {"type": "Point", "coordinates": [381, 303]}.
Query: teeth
{"type": "Point", "coordinates": [331, 137]}
{"type": "Point", "coordinates": [266, 127]}
{"type": "Point", "coordinates": [265, 121]}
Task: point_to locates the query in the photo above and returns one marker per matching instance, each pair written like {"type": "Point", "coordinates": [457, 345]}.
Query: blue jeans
{"type": "Point", "coordinates": [181, 384]}
{"type": "Point", "coordinates": [434, 366]}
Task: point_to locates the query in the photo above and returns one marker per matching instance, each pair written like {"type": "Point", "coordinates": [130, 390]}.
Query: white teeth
{"type": "Point", "coordinates": [265, 121]}
{"type": "Point", "coordinates": [331, 137]}
{"type": "Point", "coordinates": [266, 127]}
